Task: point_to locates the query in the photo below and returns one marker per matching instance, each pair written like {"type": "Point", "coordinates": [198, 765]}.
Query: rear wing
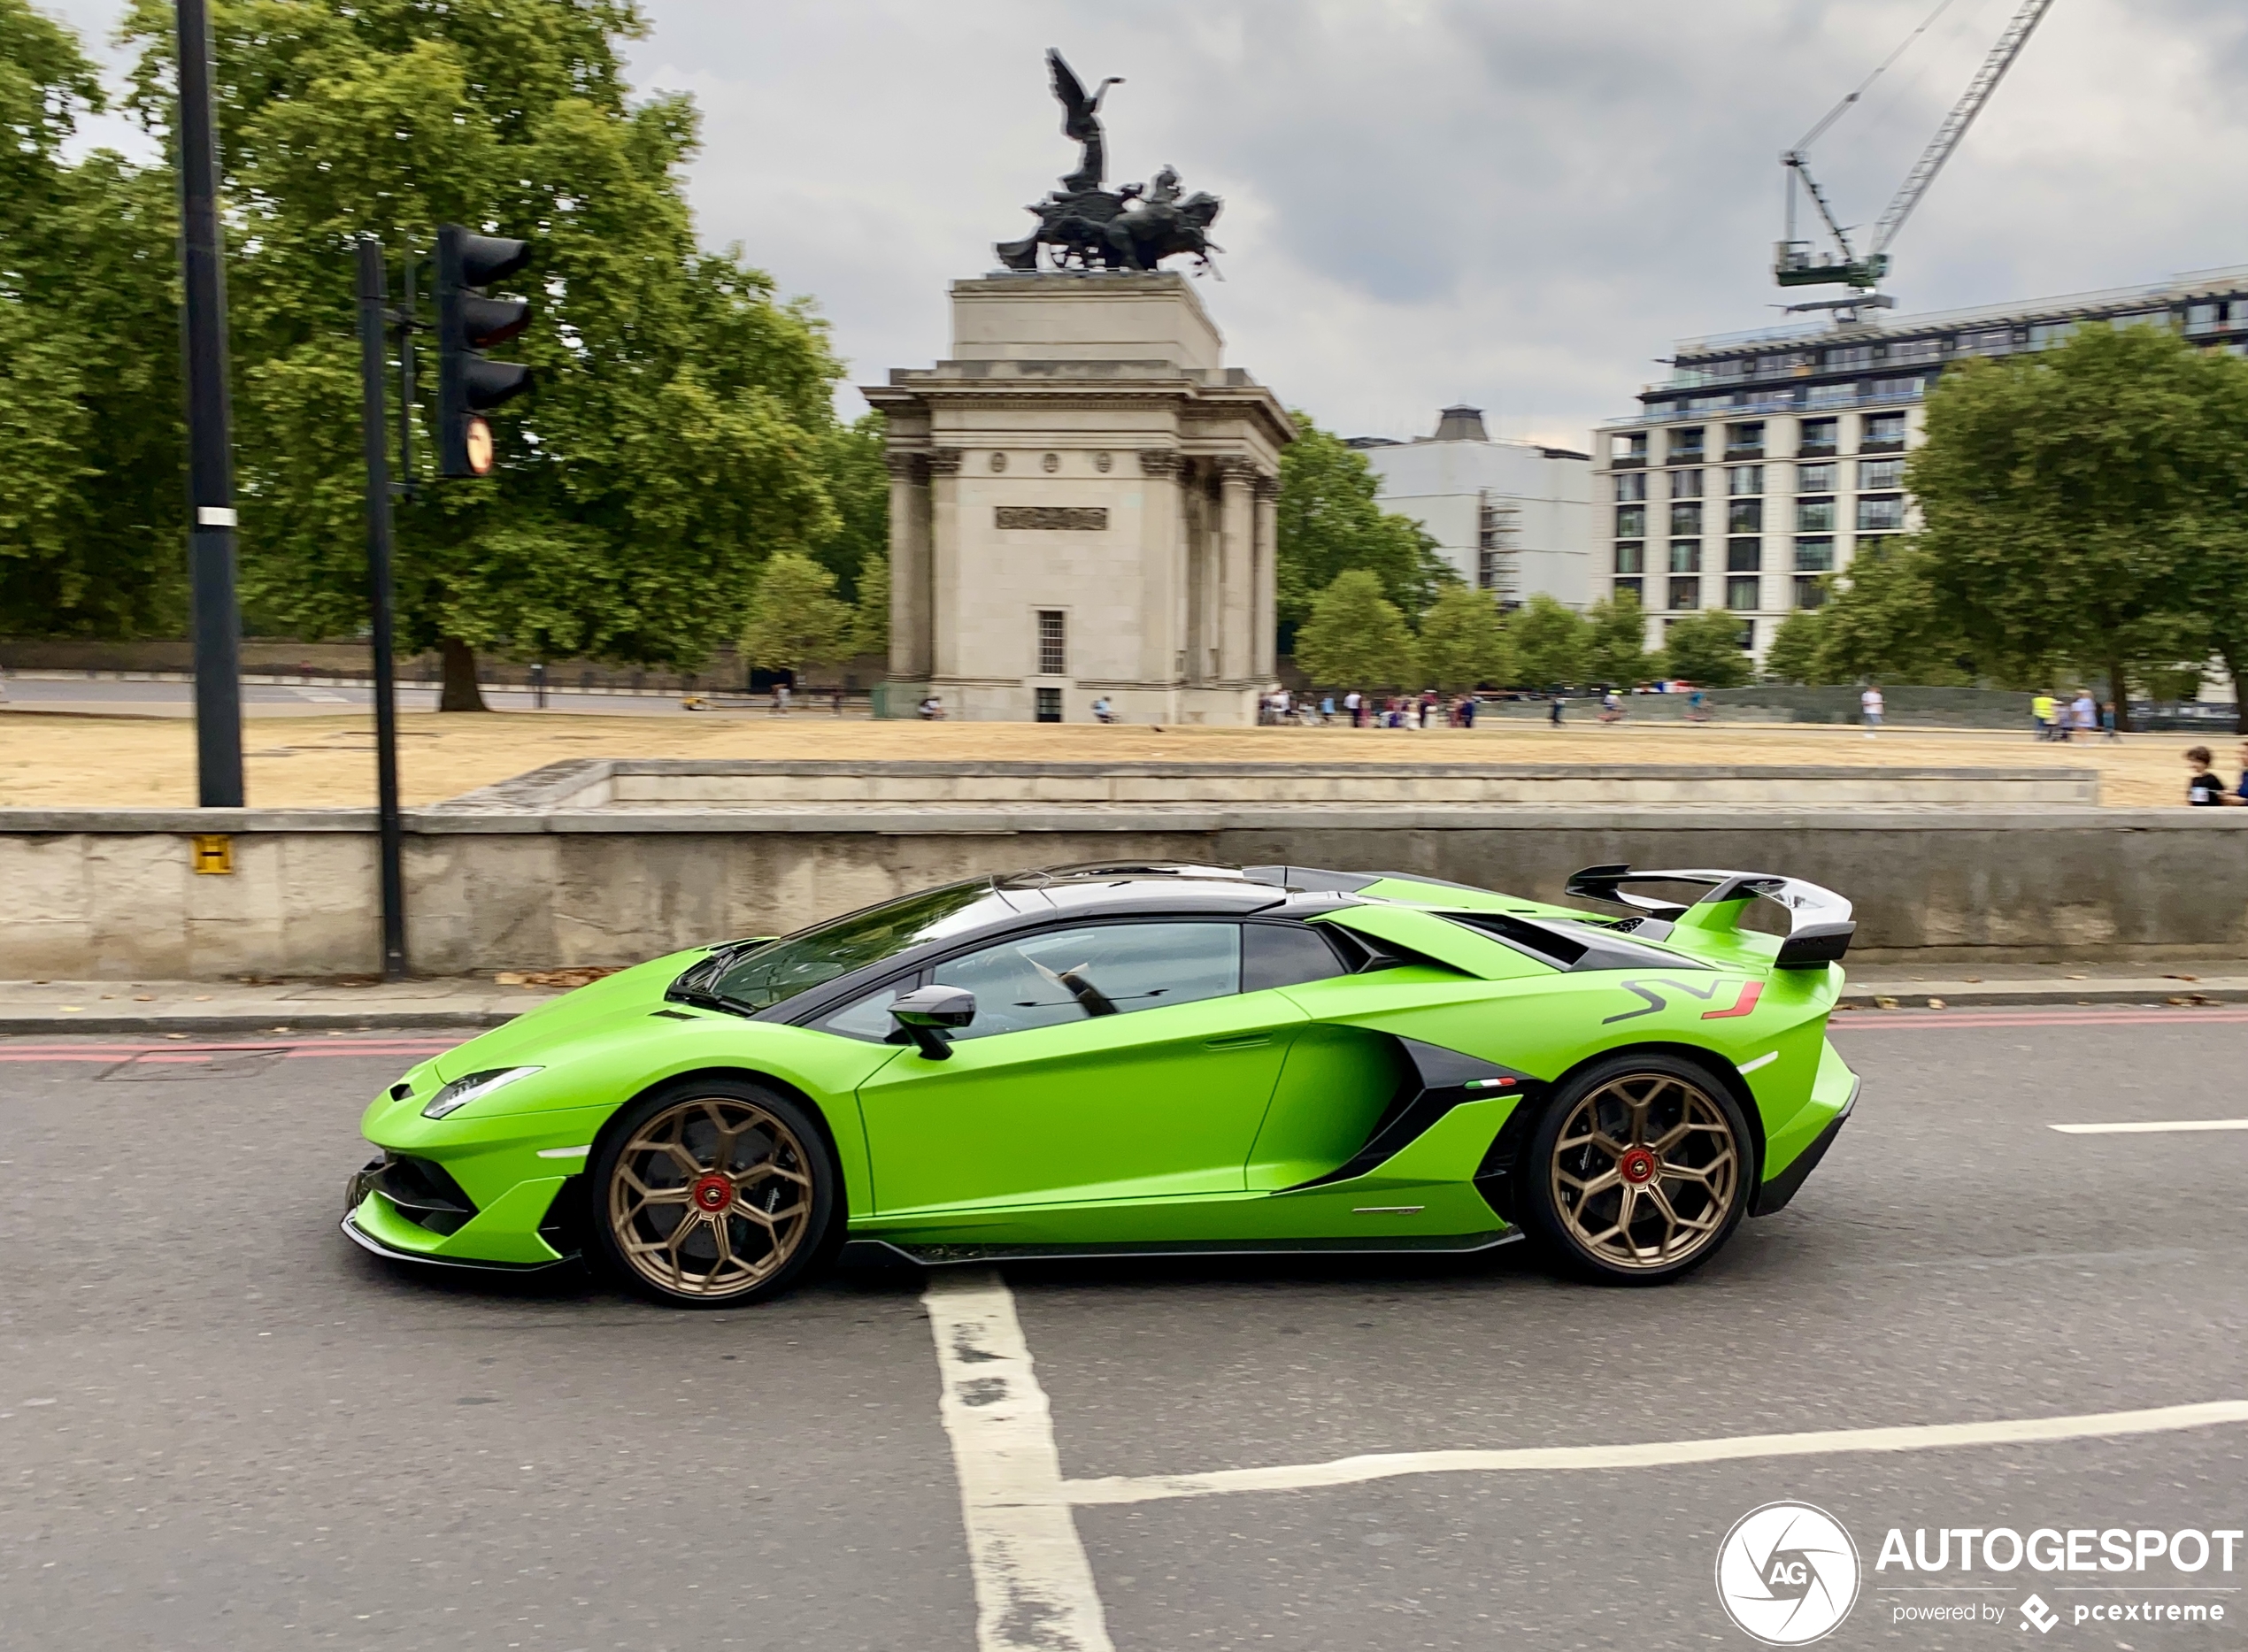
{"type": "Point", "coordinates": [1818, 920]}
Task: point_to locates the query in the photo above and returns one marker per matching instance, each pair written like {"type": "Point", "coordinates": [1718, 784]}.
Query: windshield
{"type": "Point", "coordinates": [796, 964]}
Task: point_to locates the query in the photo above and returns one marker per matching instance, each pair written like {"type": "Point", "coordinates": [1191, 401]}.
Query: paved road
{"type": "Point", "coordinates": [271, 699]}
{"type": "Point", "coordinates": [222, 1427]}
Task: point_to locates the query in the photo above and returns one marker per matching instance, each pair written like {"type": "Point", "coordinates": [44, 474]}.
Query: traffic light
{"type": "Point", "coordinates": [468, 324]}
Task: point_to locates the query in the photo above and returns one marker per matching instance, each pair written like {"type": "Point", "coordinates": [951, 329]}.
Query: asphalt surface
{"type": "Point", "coordinates": [222, 1426]}
{"type": "Point", "coordinates": [99, 696]}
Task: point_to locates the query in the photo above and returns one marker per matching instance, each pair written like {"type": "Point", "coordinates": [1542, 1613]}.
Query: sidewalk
{"type": "Point", "coordinates": [46, 1008]}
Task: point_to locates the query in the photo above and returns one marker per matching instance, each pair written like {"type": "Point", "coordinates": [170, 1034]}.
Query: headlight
{"type": "Point", "coordinates": [468, 1086]}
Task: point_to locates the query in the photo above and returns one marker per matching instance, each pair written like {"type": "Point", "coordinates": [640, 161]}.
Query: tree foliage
{"type": "Point", "coordinates": [1464, 642]}
{"type": "Point", "coordinates": [92, 525]}
{"type": "Point", "coordinates": [1553, 644]}
{"type": "Point", "coordinates": [1356, 636]}
{"type": "Point", "coordinates": [858, 487]}
{"type": "Point", "coordinates": [1793, 655]}
{"type": "Point", "coordinates": [870, 617]}
{"type": "Point", "coordinates": [1616, 647]}
{"type": "Point", "coordinates": [1330, 519]}
{"type": "Point", "coordinates": [1887, 619]}
{"type": "Point", "coordinates": [1705, 649]}
{"type": "Point", "coordinates": [797, 621]}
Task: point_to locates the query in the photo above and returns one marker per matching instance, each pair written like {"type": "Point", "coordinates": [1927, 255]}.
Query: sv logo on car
{"type": "Point", "coordinates": [1744, 1002]}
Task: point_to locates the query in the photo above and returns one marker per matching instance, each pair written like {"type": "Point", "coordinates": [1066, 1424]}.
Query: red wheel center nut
{"type": "Point", "coordinates": [713, 1194]}
{"type": "Point", "coordinates": [1636, 1165]}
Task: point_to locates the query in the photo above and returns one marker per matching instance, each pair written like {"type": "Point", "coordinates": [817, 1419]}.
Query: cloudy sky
{"type": "Point", "coordinates": [1518, 203]}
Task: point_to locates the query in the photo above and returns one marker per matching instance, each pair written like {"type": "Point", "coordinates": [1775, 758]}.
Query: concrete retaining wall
{"type": "Point", "coordinates": [113, 894]}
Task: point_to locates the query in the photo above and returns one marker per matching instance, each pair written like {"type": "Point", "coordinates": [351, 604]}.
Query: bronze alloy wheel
{"type": "Point", "coordinates": [1644, 1170]}
{"type": "Point", "coordinates": [710, 1197]}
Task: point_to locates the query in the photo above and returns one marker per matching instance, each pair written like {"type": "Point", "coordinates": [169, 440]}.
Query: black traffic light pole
{"type": "Point", "coordinates": [375, 304]}
{"type": "Point", "coordinates": [211, 481]}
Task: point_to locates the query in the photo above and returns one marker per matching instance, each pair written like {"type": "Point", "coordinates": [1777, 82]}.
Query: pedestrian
{"type": "Point", "coordinates": [932, 709]}
{"type": "Point", "coordinates": [1554, 715]}
{"type": "Point", "coordinates": [2206, 787]}
{"type": "Point", "coordinates": [1326, 707]}
{"type": "Point", "coordinates": [1869, 707]}
{"type": "Point", "coordinates": [2087, 712]}
{"type": "Point", "coordinates": [2243, 792]}
{"type": "Point", "coordinates": [1611, 707]}
{"type": "Point", "coordinates": [1467, 720]}
{"type": "Point", "coordinates": [779, 699]}
{"type": "Point", "coordinates": [2107, 718]}
{"type": "Point", "coordinates": [1698, 707]}
{"type": "Point", "coordinates": [2041, 714]}
{"type": "Point", "coordinates": [1354, 705]}
{"type": "Point", "coordinates": [1102, 712]}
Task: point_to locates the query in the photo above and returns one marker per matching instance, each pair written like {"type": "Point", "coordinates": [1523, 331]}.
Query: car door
{"type": "Point", "coordinates": [1107, 1060]}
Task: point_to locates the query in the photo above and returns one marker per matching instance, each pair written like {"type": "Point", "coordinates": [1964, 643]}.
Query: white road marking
{"type": "Point", "coordinates": [2147, 1128]}
{"type": "Point", "coordinates": [1034, 1586]}
{"type": "Point", "coordinates": [1657, 1454]}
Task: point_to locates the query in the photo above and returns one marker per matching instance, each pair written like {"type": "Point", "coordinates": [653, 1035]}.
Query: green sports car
{"type": "Point", "coordinates": [1135, 1060]}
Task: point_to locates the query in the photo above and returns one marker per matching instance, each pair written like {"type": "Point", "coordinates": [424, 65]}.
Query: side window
{"type": "Point", "coordinates": [1285, 954]}
{"type": "Point", "coordinates": [1101, 969]}
{"type": "Point", "coordinates": [868, 1017]}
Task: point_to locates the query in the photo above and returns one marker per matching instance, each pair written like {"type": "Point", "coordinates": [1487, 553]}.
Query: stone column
{"type": "Point", "coordinates": [944, 563]}
{"type": "Point", "coordinates": [1162, 565]}
{"type": "Point", "coordinates": [1237, 585]}
{"type": "Point", "coordinates": [1265, 577]}
{"type": "Point", "coordinates": [909, 608]}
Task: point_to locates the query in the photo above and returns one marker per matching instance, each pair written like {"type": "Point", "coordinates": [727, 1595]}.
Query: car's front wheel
{"type": "Point", "coordinates": [712, 1193]}
{"type": "Point", "coordinates": [1639, 1169]}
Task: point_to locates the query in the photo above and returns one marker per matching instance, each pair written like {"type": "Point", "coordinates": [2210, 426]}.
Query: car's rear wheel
{"type": "Point", "coordinates": [713, 1193]}
{"type": "Point", "coordinates": [1639, 1169]}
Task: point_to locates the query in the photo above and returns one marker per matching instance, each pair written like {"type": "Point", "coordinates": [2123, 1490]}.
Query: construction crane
{"type": "Point", "coordinates": [1795, 264]}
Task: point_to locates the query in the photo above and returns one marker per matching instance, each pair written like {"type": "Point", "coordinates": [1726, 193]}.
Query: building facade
{"type": "Point", "coordinates": [1082, 508]}
{"type": "Point", "coordinates": [1510, 518]}
{"type": "Point", "coordinates": [1770, 459]}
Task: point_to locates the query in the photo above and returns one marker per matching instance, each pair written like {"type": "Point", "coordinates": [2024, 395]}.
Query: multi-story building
{"type": "Point", "coordinates": [1771, 459]}
{"type": "Point", "coordinates": [1510, 518]}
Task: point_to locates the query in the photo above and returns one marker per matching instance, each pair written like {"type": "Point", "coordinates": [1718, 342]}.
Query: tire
{"type": "Point", "coordinates": [755, 1214]}
{"type": "Point", "coordinates": [1637, 1170]}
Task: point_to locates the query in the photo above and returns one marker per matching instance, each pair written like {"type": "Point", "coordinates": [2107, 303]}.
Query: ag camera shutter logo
{"type": "Point", "coordinates": [1787, 1573]}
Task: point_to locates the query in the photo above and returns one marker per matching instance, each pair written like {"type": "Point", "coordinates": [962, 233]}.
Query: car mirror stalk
{"type": "Point", "coordinates": [925, 1013]}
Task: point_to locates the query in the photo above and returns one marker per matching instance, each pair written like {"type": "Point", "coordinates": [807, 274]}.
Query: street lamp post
{"type": "Point", "coordinates": [211, 481]}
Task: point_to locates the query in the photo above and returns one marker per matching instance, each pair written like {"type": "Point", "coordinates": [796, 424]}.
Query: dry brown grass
{"type": "Point", "coordinates": [57, 761]}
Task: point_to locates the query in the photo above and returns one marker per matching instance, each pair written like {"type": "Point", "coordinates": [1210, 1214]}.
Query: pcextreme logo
{"type": "Point", "coordinates": [1787, 1573]}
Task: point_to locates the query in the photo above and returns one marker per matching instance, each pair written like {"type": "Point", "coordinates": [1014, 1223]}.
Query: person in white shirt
{"type": "Point", "coordinates": [1869, 706]}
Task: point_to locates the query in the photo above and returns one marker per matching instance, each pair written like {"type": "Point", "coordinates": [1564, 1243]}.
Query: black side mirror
{"type": "Point", "coordinates": [924, 1010]}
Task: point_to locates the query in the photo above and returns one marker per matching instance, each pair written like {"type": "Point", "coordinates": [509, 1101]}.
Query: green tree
{"type": "Point", "coordinates": [870, 615]}
{"type": "Point", "coordinates": [797, 621]}
{"type": "Point", "coordinates": [91, 513]}
{"type": "Point", "coordinates": [1616, 652]}
{"type": "Point", "coordinates": [2062, 491]}
{"type": "Point", "coordinates": [1329, 520]}
{"type": "Point", "coordinates": [1463, 641]}
{"type": "Point", "coordinates": [1886, 618]}
{"type": "Point", "coordinates": [677, 434]}
{"type": "Point", "coordinates": [1553, 644]}
{"type": "Point", "coordinates": [1793, 655]}
{"type": "Point", "coordinates": [1356, 637]}
{"type": "Point", "coordinates": [1705, 649]}
{"type": "Point", "coordinates": [2215, 548]}
{"type": "Point", "coordinates": [858, 485]}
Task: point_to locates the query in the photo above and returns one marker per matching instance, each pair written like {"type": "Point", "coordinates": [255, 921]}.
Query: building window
{"type": "Point", "coordinates": [1810, 591]}
{"type": "Point", "coordinates": [1818, 439]}
{"type": "Point", "coordinates": [1879, 473]}
{"type": "Point", "coordinates": [1848, 359]}
{"type": "Point", "coordinates": [1053, 648]}
{"type": "Point", "coordinates": [1814, 479]}
{"type": "Point", "coordinates": [1049, 705]}
{"type": "Point", "coordinates": [1814, 516]}
{"type": "Point", "coordinates": [1631, 557]}
{"type": "Point", "coordinates": [1741, 592]}
{"type": "Point", "coordinates": [1631, 486]}
{"type": "Point", "coordinates": [1685, 556]}
{"type": "Point", "coordinates": [1631, 448]}
{"type": "Point", "coordinates": [1631, 520]}
{"type": "Point", "coordinates": [1743, 556]}
{"type": "Point", "coordinates": [1744, 441]}
{"type": "Point", "coordinates": [1745, 516]}
{"type": "Point", "coordinates": [1685, 447]}
{"type": "Point", "coordinates": [1685, 593]}
{"type": "Point", "coordinates": [1628, 587]}
{"type": "Point", "coordinates": [1880, 513]}
{"type": "Point", "coordinates": [1813, 556]}
{"type": "Point", "coordinates": [1744, 479]}
{"type": "Point", "coordinates": [1686, 517]}
{"type": "Point", "coordinates": [1885, 434]}
{"type": "Point", "coordinates": [1870, 545]}
{"type": "Point", "coordinates": [1685, 484]}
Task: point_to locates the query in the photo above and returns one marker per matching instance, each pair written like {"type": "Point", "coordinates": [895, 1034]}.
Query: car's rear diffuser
{"type": "Point", "coordinates": [883, 1252]}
